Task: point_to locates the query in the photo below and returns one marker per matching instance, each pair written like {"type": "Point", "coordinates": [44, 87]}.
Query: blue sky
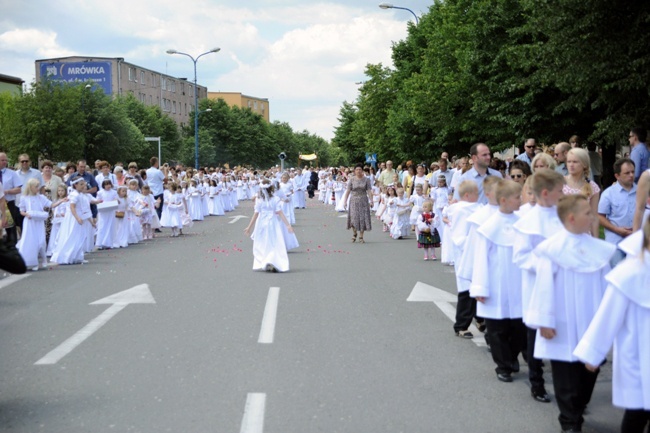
{"type": "Point", "coordinates": [304, 56]}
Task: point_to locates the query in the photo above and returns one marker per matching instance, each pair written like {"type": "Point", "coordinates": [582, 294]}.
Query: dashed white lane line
{"type": "Point", "coordinates": [253, 420]}
{"type": "Point", "coordinates": [267, 332]}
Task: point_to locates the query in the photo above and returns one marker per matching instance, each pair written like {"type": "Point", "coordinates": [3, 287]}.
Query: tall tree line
{"type": "Point", "coordinates": [499, 71]}
{"type": "Point", "coordinates": [65, 122]}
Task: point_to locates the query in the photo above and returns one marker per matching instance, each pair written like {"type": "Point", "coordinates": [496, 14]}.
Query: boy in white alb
{"type": "Point", "coordinates": [496, 282]}
{"type": "Point", "coordinates": [540, 223]}
{"type": "Point", "coordinates": [458, 213]}
{"type": "Point", "coordinates": [465, 261]}
{"type": "Point", "coordinates": [624, 317]}
{"type": "Point", "coordinates": [569, 286]}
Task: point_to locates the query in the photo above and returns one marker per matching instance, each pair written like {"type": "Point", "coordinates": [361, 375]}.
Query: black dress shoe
{"type": "Point", "coordinates": [515, 366]}
{"type": "Point", "coordinates": [504, 377]}
{"type": "Point", "coordinates": [540, 395]}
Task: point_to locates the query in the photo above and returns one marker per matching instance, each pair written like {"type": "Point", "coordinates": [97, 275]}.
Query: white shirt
{"type": "Point", "coordinates": [155, 180]}
{"type": "Point", "coordinates": [10, 180]}
{"type": "Point", "coordinates": [495, 276]}
{"type": "Point", "coordinates": [569, 286]}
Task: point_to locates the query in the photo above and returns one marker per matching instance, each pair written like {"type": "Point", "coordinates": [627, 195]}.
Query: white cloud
{"type": "Point", "coordinates": [41, 43]}
{"type": "Point", "coordinates": [304, 56]}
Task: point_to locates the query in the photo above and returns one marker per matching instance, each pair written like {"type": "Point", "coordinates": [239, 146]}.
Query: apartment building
{"type": "Point", "coordinates": [175, 96]}
{"type": "Point", "coordinates": [234, 99]}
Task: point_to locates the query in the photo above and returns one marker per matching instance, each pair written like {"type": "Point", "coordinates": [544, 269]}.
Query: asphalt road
{"type": "Point", "coordinates": [343, 352]}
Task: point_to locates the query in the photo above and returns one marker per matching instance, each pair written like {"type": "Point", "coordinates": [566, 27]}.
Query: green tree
{"type": "Point", "coordinates": [152, 122]}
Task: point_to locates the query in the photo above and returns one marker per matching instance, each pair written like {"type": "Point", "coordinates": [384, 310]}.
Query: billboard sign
{"type": "Point", "coordinates": [98, 73]}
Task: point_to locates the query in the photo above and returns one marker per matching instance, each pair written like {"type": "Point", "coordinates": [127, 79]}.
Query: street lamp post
{"type": "Point", "coordinates": [83, 108]}
{"type": "Point", "coordinates": [196, 101]}
{"type": "Point", "coordinates": [391, 6]}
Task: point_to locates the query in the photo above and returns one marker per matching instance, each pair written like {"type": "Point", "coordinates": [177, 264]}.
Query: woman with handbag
{"type": "Point", "coordinates": [32, 244]}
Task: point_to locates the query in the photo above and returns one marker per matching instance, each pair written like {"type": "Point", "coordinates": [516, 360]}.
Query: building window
{"type": "Point", "coordinates": [131, 74]}
{"type": "Point", "coordinates": [250, 104]}
{"type": "Point", "coordinates": [255, 105]}
{"type": "Point", "coordinates": [174, 86]}
{"type": "Point", "coordinates": [174, 107]}
{"type": "Point", "coordinates": [150, 100]}
{"type": "Point", "coordinates": [142, 80]}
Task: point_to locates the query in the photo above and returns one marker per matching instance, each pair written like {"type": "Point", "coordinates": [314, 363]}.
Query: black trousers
{"type": "Point", "coordinates": [573, 385]}
{"type": "Point", "coordinates": [635, 421]}
{"type": "Point", "coordinates": [535, 370]}
{"type": "Point", "coordinates": [506, 338]}
{"type": "Point", "coordinates": [465, 311]}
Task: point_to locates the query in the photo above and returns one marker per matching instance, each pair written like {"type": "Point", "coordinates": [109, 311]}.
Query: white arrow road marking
{"type": "Point", "coordinates": [136, 295]}
{"type": "Point", "coordinates": [236, 218]}
{"type": "Point", "coordinates": [344, 216]}
{"type": "Point", "coordinates": [267, 332]}
{"type": "Point", "coordinates": [253, 420]}
{"type": "Point", "coordinates": [425, 293]}
{"type": "Point", "coordinates": [11, 279]}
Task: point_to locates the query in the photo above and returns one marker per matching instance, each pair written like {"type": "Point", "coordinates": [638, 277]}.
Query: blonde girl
{"type": "Point", "coordinates": [148, 210]}
{"type": "Point", "coordinates": [133, 212]}
{"type": "Point", "coordinates": [106, 218]}
{"type": "Point", "coordinates": [428, 238]}
{"type": "Point", "coordinates": [60, 207]}
{"type": "Point", "coordinates": [400, 227]}
{"type": "Point", "coordinates": [121, 239]}
{"type": "Point", "coordinates": [171, 215]}
{"type": "Point", "coordinates": [75, 227]}
{"type": "Point", "coordinates": [32, 245]}
{"type": "Point", "coordinates": [265, 228]}
{"type": "Point", "coordinates": [577, 182]}
{"type": "Point", "coordinates": [416, 199]}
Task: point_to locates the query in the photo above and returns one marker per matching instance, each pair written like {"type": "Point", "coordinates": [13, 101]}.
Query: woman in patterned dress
{"type": "Point", "coordinates": [360, 193]}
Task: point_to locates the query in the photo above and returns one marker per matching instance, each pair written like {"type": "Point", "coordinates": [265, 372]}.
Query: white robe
{"type": "Point", "coordinates": [623, 318]}
{"type": "Point", "coordinates": [401, 225]}
{"type": "Point", "coordinates": [460, 212]}
{"type": "Point", "coordinates": [447, 248]}
{"type": "Point", "coordinates": [568, 289]}
{"type": "Point", "coordinates": [285, 193]}
{"type": "Point", "coordinates": [72, 235]}
{"type": "Point", "coordinates": [269, 247]}
{"type": "Point", "coordinates": [121, 238]}
{"type": "Point", "coordinates": [106, 221]}
{"type": "Point", "coordinates": [494, 274]}
{"type": "Point", "coordinates": [59, 214]}
{"type": "Point", "coordinates": [32, 245]}
{"type": "Point", "coordinates": [300, 184]}
{"type": "Point", "coordinates": [537, 225]}
{"type": "Point", "coordinates": [465, 265]}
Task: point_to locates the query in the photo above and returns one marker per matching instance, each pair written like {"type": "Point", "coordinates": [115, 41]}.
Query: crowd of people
{"type": "Point", "coordinates": [532, 271]}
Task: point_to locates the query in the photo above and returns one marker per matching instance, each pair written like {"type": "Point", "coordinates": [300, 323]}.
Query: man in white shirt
{"type": "Point", "coordinates": [481, 157]}
{"type": "Point", "coordinates": [443, 170]}
{"type": "Point", "coordinates": [156, 179]}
